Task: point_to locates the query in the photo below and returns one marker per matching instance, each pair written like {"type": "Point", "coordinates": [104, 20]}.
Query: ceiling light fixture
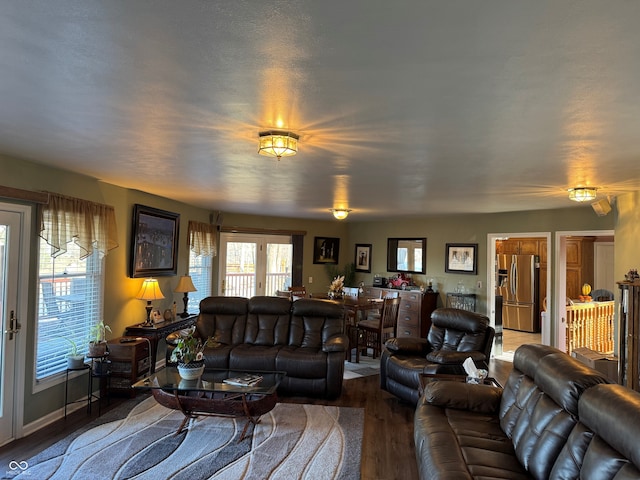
{"type": "Point", "coordinates": [582, 194]}
{"type": "Point", "coordinates": [278, 143]}
{"type": "Point", "coordinates": [340, 213]}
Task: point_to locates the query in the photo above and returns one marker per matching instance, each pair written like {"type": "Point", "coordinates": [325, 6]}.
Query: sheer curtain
{"type": "Point", "coordinates": [89, 225]}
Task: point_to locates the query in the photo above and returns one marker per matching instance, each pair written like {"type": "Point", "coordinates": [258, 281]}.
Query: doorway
{"type": "Point", "coordinates": [526, 243]}
{"type": "Point", "coordinates": [14, 266]}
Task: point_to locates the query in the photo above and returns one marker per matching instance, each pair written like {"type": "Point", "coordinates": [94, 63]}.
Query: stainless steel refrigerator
{"type": "Point", "coordinates": [518, 282]}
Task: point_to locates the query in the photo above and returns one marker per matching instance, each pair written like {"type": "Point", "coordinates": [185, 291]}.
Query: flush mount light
{"type": "Point", "coordinates": [340, 213]}
{"type": "Point", "coordinates": [278, 143]}
{"type": "Point", "coordinates": [582, 194]}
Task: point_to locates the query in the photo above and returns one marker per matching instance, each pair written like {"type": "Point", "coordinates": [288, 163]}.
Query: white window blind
{"type": "Point", "coordinates": [70, 302]}
{"type": "Point", "coordinates": [201, 274]}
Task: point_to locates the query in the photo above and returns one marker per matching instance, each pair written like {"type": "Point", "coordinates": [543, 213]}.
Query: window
{"type": "Point", "coordinates": [75, 236]}
{"type": "Point", "coordinates": [202, 248]}
{"type": "Point", "coordinates": [201, 273]}
{"type": "Point", "coordinates": [70, 302]}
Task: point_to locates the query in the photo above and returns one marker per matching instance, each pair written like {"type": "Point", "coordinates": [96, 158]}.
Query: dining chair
{"type": "Point", "coordinates": [375, 314]}
{"type": "Point", "coordinates": [373, 333]}
{"type": "Point", "coordinates": [298, 292]}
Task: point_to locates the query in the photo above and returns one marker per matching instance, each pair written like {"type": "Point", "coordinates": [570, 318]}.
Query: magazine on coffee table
{"type": "Point", "coordinates": [247, 380]}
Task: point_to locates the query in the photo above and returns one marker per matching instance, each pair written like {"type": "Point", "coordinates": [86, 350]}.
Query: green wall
{"type": "Point", "coordinates": [122, 309]}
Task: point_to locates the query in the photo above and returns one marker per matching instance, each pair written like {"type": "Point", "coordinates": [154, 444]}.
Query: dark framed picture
{"type": "Point", "coordinates": [326, 250]}
{"type": "Point", "coordinates": [363, 257]}
{"type": "Point", "coordinates": [154, 242]}
{"type": "Point", "coordinates": [461, 258]}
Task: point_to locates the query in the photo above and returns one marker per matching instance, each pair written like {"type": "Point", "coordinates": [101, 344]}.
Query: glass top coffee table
{"type": "Point", "coordinates": [209, 395]}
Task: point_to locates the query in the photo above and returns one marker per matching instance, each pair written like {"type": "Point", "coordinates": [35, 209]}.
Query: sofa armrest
{"type": "Point", "coordinates": [463, 396]}
{"type": "Point", "coordinates": [337, 343]}
{"type": "Point", "coordinates": [452, 357]}
{"type": "Point", "coordinates": [407, 346]}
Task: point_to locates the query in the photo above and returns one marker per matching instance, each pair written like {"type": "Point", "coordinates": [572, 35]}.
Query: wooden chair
{"type": "Point", "coordinates": [298, 292]}
{"type": "Point", "coordinates": [373, 333]}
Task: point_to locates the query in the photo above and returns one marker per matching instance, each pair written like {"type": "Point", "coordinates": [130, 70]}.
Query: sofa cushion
{"type": "Point", "coordinates": [223, 319]}
{"type": "Point", "coordinates": [268, 321]}
{"type": "Point", "coordinates": [313, 322]}
{"type": "Point", "coordinates": [451, 394]}
{"type": "Point", "coordinates": [253, 357]}
{"type": "Point", "coordinates": [458, 330]}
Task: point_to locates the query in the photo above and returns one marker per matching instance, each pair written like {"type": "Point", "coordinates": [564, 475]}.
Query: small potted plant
{"type": "Point", "coordinates": [75, 360]}
{"type": "Point", "coordinates": [189, 356]}
{"type": "Point", "coordinates": [98, 343]}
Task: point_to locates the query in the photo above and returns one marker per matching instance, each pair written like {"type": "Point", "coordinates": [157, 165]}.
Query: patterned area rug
{"type": "Point", "coordinates": [292, 441]}
{"type": "Point", "coordinates": [366, 367]}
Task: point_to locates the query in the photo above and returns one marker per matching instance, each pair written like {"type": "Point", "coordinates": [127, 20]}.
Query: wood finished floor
{"type": "Point", "coordinates": [387, 450]}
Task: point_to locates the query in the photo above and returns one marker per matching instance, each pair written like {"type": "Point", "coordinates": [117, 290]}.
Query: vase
{"type": "Point", "coordinates": [190, 371]}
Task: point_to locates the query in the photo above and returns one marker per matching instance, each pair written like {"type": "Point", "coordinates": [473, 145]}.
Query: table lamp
{"type": "Point", "coordinates": [149, 291]}
{"type": "Point", "coordinates": [185, 285]}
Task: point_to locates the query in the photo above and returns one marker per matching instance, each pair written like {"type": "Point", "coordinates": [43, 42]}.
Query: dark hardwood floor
{"type": "Point", "coordinates": [387, 450]}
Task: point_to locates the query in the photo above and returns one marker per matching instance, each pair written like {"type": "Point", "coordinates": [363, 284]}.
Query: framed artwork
{"type": "Point", "coordinates": [363, 257]}
{"type": "Point", "coordinates": [326, 250]}
{"type": "Point", "coordinates": [154, 242]}
{"type": "Point", "coordinates": [461, 258]}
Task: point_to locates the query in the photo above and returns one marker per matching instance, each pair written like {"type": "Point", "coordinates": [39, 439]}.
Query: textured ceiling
{"type": "Point", "coordinates": [404, 107]}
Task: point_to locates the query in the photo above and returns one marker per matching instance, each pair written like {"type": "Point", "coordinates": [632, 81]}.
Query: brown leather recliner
{"type": "Point", "coordinates": [454, 336]}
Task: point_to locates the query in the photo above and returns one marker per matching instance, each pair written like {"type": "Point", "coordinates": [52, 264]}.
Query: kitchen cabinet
{"type": "Point", "coordinates": [528, 246]}
{"type": "Point", "coordinates": [579, 264]}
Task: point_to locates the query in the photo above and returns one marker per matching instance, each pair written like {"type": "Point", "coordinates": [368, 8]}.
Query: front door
{"type": "Point", "coordinates": [12, 317]}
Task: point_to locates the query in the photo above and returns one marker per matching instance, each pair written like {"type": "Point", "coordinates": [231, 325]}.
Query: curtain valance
{"type": "Point", "coordinates": [90, 225]}
{"type": "Point", "coordinates": [202, 238]}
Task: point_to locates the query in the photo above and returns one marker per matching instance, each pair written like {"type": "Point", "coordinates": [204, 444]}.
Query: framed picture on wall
{"type": "Point", "coordinates": [326, 250]}
{"type": "Point", "coordinates": [154, 242]}
{"type": "Point", "coordinates": [363, 257]}
{"type": "Point", "coordinates": [461, 258]}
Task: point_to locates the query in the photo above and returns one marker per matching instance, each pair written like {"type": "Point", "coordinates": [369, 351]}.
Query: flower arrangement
{"type": "Point", "coordinates": [337, 286]}
{"type": "Point", "coordinates": [189, 349]}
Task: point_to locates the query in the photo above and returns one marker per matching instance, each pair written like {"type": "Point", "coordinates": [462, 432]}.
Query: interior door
{"type": "Point", "coordinates": [11, 322]}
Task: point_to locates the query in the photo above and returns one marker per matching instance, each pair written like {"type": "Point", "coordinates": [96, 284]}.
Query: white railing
{"type": "Point", "coordinates": [244, 284]}
{"type": "Point", "coordinates": [590, 325]}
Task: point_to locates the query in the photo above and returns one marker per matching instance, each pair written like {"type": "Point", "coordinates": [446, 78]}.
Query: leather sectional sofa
{"type": "Point", "coordinates": [555, 418]}
{"type": "Point", "coordinates": [304, 338]}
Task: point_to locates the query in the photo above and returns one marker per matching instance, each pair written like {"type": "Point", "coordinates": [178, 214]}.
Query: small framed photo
{"type": "Point", "coordinates": [363, 257]}
{"type": "Point", "coordinates": [461, 258]}
{"type": "Point", "coordinates": [154, 243]}
{"type": "Point", "coordinates": [326, 250]}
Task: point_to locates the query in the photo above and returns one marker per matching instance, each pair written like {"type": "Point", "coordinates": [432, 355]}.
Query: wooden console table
{"type": "Point", "coordinates": [159, 331]}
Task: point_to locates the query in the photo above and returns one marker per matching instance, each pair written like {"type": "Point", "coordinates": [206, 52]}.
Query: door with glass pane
{"type": "Point", "coordinates": [254, 264]}
{"type": "Point", "coordinates": [11, 263]}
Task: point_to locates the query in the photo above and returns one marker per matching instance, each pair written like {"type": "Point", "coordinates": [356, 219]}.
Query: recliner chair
{"type": "Point", "coordinates": [454, 336]}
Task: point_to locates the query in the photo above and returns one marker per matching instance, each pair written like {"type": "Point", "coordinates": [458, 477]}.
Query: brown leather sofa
{"type": "Point", "coordinates": [304, 338]}
{"type": "Point", "coordinates": [555, 419]}
{"type": "Point", "coordinates": [454, 336]}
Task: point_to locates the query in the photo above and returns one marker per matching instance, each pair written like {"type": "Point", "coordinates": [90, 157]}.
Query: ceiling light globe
{"type": "Point", "coordinates": [278, 143]}
{"type": "Point", "coordinates": [340, 213]}
{"type": "Point", "coordinates": [583, 194]}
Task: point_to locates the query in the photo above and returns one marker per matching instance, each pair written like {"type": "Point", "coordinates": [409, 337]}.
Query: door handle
{"type": "Point", "coordinates": [13, 321]}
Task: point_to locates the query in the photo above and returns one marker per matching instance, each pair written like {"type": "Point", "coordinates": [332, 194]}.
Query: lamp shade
{"type": "Point", "coordinates": [278, 143]}
{"type": "Point", "coordinates": [150, 290]}
{"type": "Point", "coordinates": [583, 194]}
{"type": "Point", "coordinates": [185, 284]}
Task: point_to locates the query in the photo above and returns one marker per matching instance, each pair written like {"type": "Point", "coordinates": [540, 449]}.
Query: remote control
{"type": "Point", "coordinates": [127, 340]}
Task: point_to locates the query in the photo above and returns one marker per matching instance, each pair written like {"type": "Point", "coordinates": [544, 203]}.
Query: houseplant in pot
{"type": "Point", "coordinates": [188, 355]}
{"type": "Point", "coordinates": [98, 343]}
{"type": "Point", "coordinates": [75, 360]}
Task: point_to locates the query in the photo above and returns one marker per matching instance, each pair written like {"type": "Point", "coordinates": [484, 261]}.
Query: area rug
{"type": "Point", "coordinates": [366, 367]}
{"type": "Point", "coordinates": [293, 441]}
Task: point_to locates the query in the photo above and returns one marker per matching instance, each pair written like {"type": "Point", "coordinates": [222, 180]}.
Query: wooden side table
{"type": "Point", "coordinates": [130, 361]}
{"type": "Point", "coordinates": [159, 331]}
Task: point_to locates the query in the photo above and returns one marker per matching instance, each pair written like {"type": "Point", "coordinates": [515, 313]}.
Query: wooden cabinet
{"type": "Point", "coordinates": [579, 264]}
{"type": "Point", "coordinates": [414, 318]}
{"type": "Point", "coordinates": [129, 363]}
{"type": "Point", "coordinates": [629, 335]}
{"type": "Point", "coordinates": [520, 246]}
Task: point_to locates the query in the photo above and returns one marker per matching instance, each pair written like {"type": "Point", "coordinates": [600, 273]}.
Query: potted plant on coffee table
{"type": "Point", "coordinates": [189, 356]}
{"type": "Point", "coordinates": [98, 343]}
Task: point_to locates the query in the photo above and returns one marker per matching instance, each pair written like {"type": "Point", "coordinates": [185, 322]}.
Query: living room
{"type": "Point", "coordinates": [437, 188]}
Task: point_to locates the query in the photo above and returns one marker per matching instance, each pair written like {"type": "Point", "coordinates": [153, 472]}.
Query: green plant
{"type": "Point", "coordinates": [348, 272]}
{"type": "Point", "coordinates": [74, 346]}
{"type": "Point", "coordinates": [188, 349]}
{"type": "Point", "coordinates": [98, 332]}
